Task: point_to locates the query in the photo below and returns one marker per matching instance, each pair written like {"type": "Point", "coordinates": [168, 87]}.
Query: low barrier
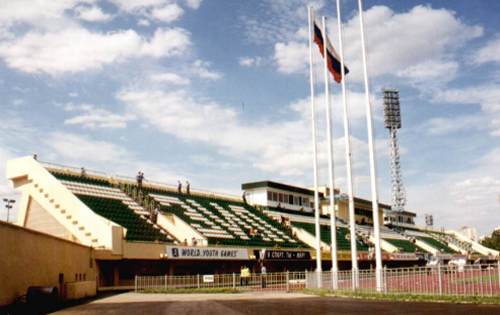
{"type": "Point", "coordinates": [469, 280]}
{"type": "Point", "coordinates": [282, 281]}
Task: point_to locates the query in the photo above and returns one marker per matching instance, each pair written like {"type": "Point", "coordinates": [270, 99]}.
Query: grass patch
{"type": "Point", "coordinates": [194, 290]}
{"type": "Point", "coordinates": [405, 297]}
{"type": "Point", "coordinates": [477, 279]}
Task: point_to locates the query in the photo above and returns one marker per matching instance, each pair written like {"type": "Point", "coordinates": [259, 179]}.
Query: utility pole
{"type": "Point", "coordinates": [8, 205]}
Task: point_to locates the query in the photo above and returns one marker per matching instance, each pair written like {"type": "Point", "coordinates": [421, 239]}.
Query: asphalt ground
{"type": "Point", "coordinates": [265, 303]}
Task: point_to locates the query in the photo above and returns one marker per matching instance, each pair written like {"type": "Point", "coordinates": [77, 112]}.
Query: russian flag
{"type": "Point", "coordinates": [333, 59]}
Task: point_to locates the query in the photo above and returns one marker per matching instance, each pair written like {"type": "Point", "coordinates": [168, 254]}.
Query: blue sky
{"type": "Point", "coordinates": [217, 92]}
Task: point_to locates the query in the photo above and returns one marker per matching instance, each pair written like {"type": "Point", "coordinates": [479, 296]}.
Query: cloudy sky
{"type": "Point", "coordinates": [217, 92]}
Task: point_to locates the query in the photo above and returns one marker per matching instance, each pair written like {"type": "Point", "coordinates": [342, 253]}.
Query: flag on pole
{"type": "Point", "coordinates": [333, 58]}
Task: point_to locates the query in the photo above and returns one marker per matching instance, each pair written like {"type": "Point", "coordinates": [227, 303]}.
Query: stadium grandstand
{"type": "Point", "coordinates": [155, 229]}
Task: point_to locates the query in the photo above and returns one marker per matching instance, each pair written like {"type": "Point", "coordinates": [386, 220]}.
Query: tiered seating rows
{"type": "Point", "coordinates": [403, 245]}
{"type": "Point", "coordinates": [343, 241]}
{"type": "Point", "coordinates": [235, 219]}
{"type": "Point", "coordinates": [82, 179]}
{"type": "Point", "coordinates": [437, 245]}
{"type": "Point", "coordinates": [138, 229]}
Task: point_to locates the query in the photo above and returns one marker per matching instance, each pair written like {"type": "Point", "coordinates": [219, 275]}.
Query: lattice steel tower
{"type": "Point", "coordinates": [392, 121]}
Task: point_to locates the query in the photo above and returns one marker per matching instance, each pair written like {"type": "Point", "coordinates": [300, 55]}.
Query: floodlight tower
{"type": "Point", "coordinates": [392, 121]}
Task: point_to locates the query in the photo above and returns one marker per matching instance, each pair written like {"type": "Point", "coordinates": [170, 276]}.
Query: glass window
{"type": "Point", "coordinates": [300, 200]}
{"type": "Point", "coordinates": [280, 197]}
{"type": "Point", "coordinates": [269, 195]}
{"type": "Point", "coordinates": [290, 199]}
{"type": "Point", "coordinates": [275, 196]}
{"type": "Point", "coordinates": [305, 201]}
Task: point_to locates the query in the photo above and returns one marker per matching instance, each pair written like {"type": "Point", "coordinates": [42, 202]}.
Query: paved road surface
{"type": "Point", "coordinates": [263, 304]}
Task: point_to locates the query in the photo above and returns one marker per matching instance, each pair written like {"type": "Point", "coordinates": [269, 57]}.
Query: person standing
{"type": "Point", "coordinates": [179, 187]}
{"type": "Point", "coordinates": [139, 178]}
{"type": "Point", "coordinates": [244, 275]}
{"type": "Point", "coordinates": [263, 274]}
{"type": "Point", "coordinates": [188, 187]}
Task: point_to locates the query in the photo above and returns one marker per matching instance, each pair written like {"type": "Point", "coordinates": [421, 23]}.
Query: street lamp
{"type": "Point", "coordinates": [8, 206]}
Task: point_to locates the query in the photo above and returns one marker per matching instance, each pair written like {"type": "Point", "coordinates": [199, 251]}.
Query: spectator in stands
{"type": "Point", "coordinates": [263, 272]}
{"type": "Point", "coordinates": [155, 214]}
{"type": "Point", "coordinates": [185, 242]}
{"type": "Point", "coordinates": [244, 197]}
{"type": "Point", "coordinates": [139, 178]}
{"type": "Point", "coordinates": [35, 156]}
{"type": "Point", "coordinates": [188, 187]}
{"type": "Point", "coordinates": [179, 187]}
{"type": "Point", "coordinates": [194, 242]}
{"type": "Point", "coordinates": [83, 172]}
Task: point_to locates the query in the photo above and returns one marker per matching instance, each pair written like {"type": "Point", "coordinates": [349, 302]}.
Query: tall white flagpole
{"type": "Point", "coordinates": [348, 156]}
{"type": "Point", "coordinates": [373, 170]}
{"type": "Point", "coordinates": [315, 152]}
{"type": "Point", "coordinates": [333, 219]}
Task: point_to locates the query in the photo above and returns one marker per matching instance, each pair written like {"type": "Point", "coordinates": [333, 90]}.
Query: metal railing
{"type": "Point", "coordinates": [281, 281]}
{"type": "Point", "coordinates": [469, 280]}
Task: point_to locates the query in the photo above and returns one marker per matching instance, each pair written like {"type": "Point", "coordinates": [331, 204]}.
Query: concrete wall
{"type": "Point", "coordinates": [36, 183]}
{"type": "Point", "coordinates": [30, 258]}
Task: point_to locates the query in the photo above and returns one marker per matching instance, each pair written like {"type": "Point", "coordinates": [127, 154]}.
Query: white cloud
{"type": "Point", "coordinates": [201, 69]}
{"type": "Point", "coordinates": [193, 4]}
{"type": "Point", "coordinates": [445, 125]}
{"type": "Point", "coordinates": [92, 117]}
{"type": "Point", "coordinates": [280, 147]}
{"type": "Point", "coordinates": [80, 150]}
{"type": "Point", "coordinates": [430, 71]}
{"type": "Point", "coordinates": [168, 13]}
{"type": "Point", "coordinates": [433, 42]}
{"type": "Point", "coordinates": [488, 53]}
{"type": "Point", "coordinates": [134, 6]}
{"type": "Point", "coordinates": [469, 196]}
{"type": "Point", "coordinates": [143, 22]}
{"type": "Point", "coordinates": [486, 96]}
{"type": "Point", "coordinates": [77, 49]}
{"type": "Point", "coordinates": [43, 13]}
{"type": "Point", "coordinates": [250, 61]}
{"type": "Point", "coordinates": [76, 148]}
{"type": "Point", "coordinates": [170, 78]}
{"type": "Point", "coordinates": [92, 14]}
{"type": "Point", "coordinates": [291, 57]}
{"type": "Point", "coordinates": [277, 20]}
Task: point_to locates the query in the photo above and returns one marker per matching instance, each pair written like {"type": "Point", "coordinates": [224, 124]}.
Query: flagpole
{"type": "Point", "coordinates": [333, 223]}
{"type": "Point", "coordinates": [315, 153]}
{"type": "Point", "coordinates": [371, 149]}
{"type": "Point", "coordinates": [348, 159]}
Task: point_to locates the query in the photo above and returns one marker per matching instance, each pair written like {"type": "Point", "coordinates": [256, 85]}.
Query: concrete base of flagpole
{"type": "Point", "coordinates": [355, 279]}
{"type": "Point", "coordinates": [379, 280]}
{"type": "Point", "coordinates": [319, 279]}
{"type": "Point", "coordinates": [335, 279]}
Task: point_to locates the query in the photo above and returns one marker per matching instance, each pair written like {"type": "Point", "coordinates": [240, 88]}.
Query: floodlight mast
{"type": "Point", "coordinates": [392, 121]}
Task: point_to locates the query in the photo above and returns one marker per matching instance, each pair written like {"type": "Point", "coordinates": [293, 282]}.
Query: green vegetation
{"type": "Point", "coordinates": [405, 297]}
{"type": "Point", "coordinates": [479, 279]}
{"type": "Point", "coordinates": [492, 241]}
{"type": "Point", "coordinates": [194, 290]}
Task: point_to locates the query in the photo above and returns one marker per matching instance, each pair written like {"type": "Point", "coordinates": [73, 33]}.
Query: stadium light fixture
{"type": "Point", "coordinates": [392, 121]}
{"type": "Point", "coordinates": [8, 205]}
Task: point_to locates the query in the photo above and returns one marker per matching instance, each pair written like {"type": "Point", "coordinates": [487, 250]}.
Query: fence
{"type": "Point", "coordinates": [282, 281]}
{"type": "Point", "coordinates": [470, 280]}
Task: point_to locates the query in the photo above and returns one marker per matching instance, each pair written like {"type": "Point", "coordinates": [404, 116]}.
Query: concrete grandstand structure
{"type": "Point", "coordinates": [152, 229]}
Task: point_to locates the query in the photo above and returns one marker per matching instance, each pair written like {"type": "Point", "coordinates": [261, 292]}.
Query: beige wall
{"type": "Point", "coordinates": [29, 258]}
